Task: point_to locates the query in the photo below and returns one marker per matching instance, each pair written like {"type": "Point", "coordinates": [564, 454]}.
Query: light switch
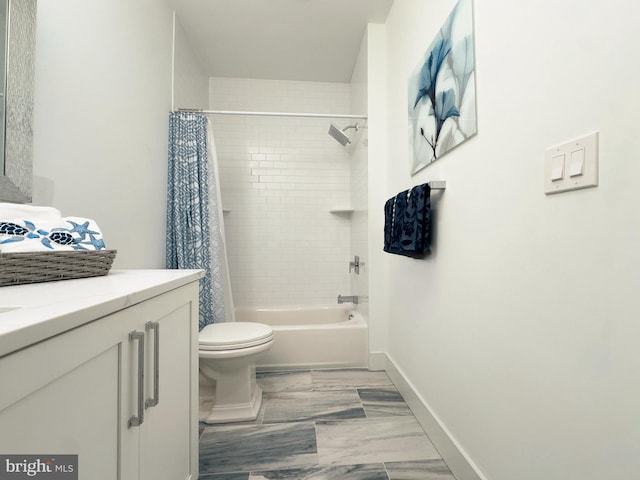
{"type": "Point", "coordinates": [557, 167]}
{"type": "Point", "coordinates": [572, 165]}
{"type": "Point", "coordinates": [576, 165]}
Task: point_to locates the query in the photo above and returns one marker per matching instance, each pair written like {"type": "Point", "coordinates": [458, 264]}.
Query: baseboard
{"type": "Point", "coordinates": [377, 361]}
{"type": "Point", "coordinates": [455, 457]}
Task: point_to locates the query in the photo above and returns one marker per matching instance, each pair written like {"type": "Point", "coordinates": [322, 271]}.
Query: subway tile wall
{"type": "Point", "coordinates": [280, 177]}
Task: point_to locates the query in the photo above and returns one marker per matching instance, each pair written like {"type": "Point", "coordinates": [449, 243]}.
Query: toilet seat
{"type": "Point", "coordinates": [234, 335]}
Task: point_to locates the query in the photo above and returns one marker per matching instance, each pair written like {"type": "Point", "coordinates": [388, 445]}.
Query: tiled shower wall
{"type": "Point", "coordinates": [280, 177]}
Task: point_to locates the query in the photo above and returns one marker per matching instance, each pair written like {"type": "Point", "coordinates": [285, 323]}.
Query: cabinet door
{"type": "Point", "coordinates": [61, 396]}
{"type": "Point", "coordinates": [76, 393]}
{"type": "Point", "coordinates": [168, 437]}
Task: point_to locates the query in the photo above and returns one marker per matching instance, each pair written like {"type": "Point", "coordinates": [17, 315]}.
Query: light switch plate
{"type": "Point", "coordinates": [589, 177]}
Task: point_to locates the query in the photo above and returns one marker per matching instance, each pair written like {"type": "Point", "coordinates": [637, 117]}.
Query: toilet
{"type": "Point", "coordinates": [228, 354]}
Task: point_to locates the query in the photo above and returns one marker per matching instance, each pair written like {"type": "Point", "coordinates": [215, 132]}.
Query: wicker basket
{"type": "Point", "coordinates": [35, 267]}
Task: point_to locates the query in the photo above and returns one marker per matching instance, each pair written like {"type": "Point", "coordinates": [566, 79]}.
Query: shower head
{"type": "Point", "coordinates": [339, 135]}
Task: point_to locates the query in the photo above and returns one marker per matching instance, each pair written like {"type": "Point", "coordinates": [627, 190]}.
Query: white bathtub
{"type": "Point", "coordinates": [311, 337]}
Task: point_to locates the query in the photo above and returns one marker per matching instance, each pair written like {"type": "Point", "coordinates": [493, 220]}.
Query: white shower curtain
{"type": "Point", "coordinates": [217, 217]}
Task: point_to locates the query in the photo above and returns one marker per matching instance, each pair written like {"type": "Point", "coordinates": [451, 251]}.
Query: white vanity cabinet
{"type": "Point", "coordinates": [91, 390]}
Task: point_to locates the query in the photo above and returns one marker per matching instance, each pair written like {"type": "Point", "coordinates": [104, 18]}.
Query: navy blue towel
{"type": "Point", "coordinates": [407, 222]}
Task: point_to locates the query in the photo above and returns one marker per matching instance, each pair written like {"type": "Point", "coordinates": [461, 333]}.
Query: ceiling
{"type": "Point", "coordinates": [309, 40]}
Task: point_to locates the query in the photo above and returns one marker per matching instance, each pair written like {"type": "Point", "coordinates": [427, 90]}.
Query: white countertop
{"type": "Point", "coordinates": [42, 310]}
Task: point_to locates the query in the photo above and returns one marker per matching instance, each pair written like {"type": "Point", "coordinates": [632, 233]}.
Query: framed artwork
{"type": "Point", "coordinates": [441, 91]}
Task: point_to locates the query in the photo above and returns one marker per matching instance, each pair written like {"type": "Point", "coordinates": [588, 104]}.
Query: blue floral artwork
{"type": "Point", "coordinates": [441, 91]}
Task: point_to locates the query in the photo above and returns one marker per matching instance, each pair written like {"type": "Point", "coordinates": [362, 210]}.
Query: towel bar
{"type": "Point", "coordinates": [437, 184]}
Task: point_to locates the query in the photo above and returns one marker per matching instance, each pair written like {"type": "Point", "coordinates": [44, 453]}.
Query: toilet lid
{"type": "Point", "coordinates": [232, 335]}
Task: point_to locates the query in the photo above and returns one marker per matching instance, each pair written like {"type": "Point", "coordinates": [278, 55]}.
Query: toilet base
{"type": "Point", "coordinates": [238, 412]}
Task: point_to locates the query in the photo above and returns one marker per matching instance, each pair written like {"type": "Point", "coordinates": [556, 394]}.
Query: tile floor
{"type": "Point", "coordinates": [323, 425]}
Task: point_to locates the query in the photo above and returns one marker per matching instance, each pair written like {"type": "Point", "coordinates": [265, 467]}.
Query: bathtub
{"type": "Point", "coordinates": [311, 337]}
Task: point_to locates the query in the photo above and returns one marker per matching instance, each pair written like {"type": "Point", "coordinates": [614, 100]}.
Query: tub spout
{"type": "Point", "coordinates": [343, 299]}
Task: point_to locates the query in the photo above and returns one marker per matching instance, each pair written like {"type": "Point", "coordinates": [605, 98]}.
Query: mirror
{"type": "Point", "coordinates": [17, 65]}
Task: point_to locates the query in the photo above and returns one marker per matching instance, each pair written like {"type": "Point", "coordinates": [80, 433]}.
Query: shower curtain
{"type": "Point", "coordinates": [195, 230]}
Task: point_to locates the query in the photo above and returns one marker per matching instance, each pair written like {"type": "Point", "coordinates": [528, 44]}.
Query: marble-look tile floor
{"type": "Point", "coordinates": [323, 425]}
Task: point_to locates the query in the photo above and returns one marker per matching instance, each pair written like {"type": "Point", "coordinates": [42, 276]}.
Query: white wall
{"type": "Point", "coordinates": [377, 190]}
{"type": "Point", "coordinates": [521, 330]}
{"type": "Point", "coordinates": [191, 83]}
{"type": "Point", "coordinates": [279, 178]}
{"type": "Point", "coordinates": [102, 97]}
{"type": "Point", "coordinates": [359, 175]}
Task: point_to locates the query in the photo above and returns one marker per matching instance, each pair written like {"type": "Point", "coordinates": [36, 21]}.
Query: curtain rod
{"type": "Point", "coordinates": [273, 114]}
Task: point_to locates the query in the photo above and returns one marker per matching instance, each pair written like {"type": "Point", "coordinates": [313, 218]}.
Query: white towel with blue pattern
{"type": "Point", "coordinates": [19, 210]}
{"type": "Point", "coordinates": [44, 229]}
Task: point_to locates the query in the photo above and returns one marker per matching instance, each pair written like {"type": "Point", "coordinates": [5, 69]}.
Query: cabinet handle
{"type": "Point", "coordinates": [153, 401]}
{"type": "Point", "coordinates": [137, 420]}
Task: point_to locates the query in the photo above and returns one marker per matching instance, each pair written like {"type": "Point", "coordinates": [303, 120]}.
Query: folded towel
{"type": "Point", "coordinates": [34, 213]}
{"type": "Point", "coordinates": [69, 233]}
{"type": "Point", "coordinates": [407, 218]}
{"type": "Point", "coordinates": [85, 232]}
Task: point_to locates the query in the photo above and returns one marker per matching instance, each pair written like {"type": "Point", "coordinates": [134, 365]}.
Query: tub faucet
{"type": "Point", "coordinates": [343, 299]}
